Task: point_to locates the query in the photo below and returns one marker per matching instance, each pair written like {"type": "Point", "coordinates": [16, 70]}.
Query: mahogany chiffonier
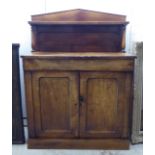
{"type": "Point", "coordinates": [79, 85]}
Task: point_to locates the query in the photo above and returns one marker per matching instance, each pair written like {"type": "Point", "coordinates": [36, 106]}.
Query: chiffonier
{"type": "Point", "coordinates": [79, 81]}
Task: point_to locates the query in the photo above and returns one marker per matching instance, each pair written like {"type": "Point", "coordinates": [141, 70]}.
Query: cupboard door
{"type": "Point", "coordinates": [105, 99]}
{"type": "Point", "coordinates": [55, 104]}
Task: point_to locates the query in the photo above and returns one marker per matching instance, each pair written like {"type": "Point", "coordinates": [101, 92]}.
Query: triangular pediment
{"type": "Point", "coordinates": [78, 15]}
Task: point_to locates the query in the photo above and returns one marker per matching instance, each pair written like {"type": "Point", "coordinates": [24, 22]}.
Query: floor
{"type": "Point", "coordinates": [21, 149]}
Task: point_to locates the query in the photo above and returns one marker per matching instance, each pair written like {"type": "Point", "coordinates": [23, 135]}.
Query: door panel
{"type": "Point", "coordinates": [56, 104]}
{"type": "Point", "coordinates": [55, 90]}
{"type": "Point", "coordinates": [100, 93]}
{"type": "Point", "coordinates": [102, 112]}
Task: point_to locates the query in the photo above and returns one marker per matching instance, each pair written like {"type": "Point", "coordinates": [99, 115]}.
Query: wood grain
{"type": "Point", "coordinates": [74, 38]}
{"type": "Point", "coordinates": [77, 97]}
{"type": "Point", "coordinates": [117, 144]}
{"type": "Point", "coordinates": [56, 104]}
{"type": "Point", "coordinates": [81, 65]}
{"type": "Point", "coordinates": [78, 15]}
{"type": "Point", "coordinates": [79, 55]}
{"type": "Point", "coordinates": [78, 39]}
{"type": "Point", "coordinates": [29, 104]}
{"type": "Point", "coordinates": [78, 30]}
{"type": "Point", "coordinates": [104, 104]}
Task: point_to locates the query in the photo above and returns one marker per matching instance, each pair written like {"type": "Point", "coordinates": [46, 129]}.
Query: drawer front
{"type": "Point", "coordinates": [81, 65]}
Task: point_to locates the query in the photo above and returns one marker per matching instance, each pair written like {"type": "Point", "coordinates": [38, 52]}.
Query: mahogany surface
{"type": "Point", "coordinates": [73, 99]}
{"type": "Point", "coordinates": [78, 30]}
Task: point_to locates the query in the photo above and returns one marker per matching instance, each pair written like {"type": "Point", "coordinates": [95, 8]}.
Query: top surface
{"type": "Point", "coordinates": [78, 55]}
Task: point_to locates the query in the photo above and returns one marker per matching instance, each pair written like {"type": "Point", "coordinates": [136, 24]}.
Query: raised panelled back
{"type": "Point", "coordinates": [62, 38]}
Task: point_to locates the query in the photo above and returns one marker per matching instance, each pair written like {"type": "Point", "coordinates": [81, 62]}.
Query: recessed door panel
{"type": "Point", "coordinates": [102, 97]}
{"type": "Point", "coordinates": [55, 104]}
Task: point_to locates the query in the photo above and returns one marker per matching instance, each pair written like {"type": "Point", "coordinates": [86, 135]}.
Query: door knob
{"type": "Point", "coordinates": [81, 98]}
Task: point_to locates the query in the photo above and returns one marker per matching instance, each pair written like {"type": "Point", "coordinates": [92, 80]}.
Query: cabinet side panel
{"type": "Point", "coordinates": [128, 99]}
{"type": "Point", "coordinates": [29, 103]}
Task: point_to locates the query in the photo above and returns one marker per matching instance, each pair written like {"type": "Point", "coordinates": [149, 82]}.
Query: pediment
{"type": "Point", "coordinates": [78, 15]}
